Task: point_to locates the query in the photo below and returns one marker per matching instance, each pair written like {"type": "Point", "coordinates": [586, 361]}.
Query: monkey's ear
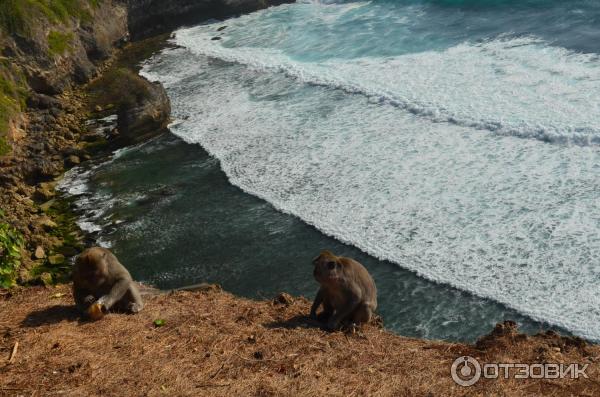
{"type": "Point", "coordinates": [327, 253]}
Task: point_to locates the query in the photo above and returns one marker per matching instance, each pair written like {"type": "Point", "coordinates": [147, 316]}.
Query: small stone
{"type": "Point", "coordinates": [48, 185]}
{"type": "Point", "coordinates": [44, 194]}
{"type": "Point", "coordinates": [27, 201]}
{"type": "Point", "coordinates": [46, 278]}
{"type": "Point", "coordinates": [68, 250]}
{"type": "Point", "coordinates": [98, 108]}
{"type": "Point", "coordinates": [91, 137]}
{"type": "Point", "coordinates": [46, 206]}
{"type": "Point", "coordinates": [39, 252]}
{"type": "Point", "coordinates": [283, 299]}
{"type": "Point", "coordinates": [56, 259]}
{"type": "Point", "coordinates": [216, 38]}
{"type": "Point", "coordinates": [47, 223]}
{"type": "Point", "coordinates": [556, 349]}
{"type": "Point", "coordinates": [72, 161]}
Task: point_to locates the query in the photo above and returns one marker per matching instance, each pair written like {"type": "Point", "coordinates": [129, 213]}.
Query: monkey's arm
{"type": "Point", "coordinates": [83, 299]}
{"type": "Point", "coordinates": [116, 293]}
{"type": "Point", "coordinates": [316, 304]}
{"type": "Point", "coordinates": [136, 304]}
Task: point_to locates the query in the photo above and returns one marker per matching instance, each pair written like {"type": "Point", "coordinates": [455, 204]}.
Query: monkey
{"type": "Point", "coordinates": [101, 282]}
{"type": "Point", "coordinates": [347, 291]}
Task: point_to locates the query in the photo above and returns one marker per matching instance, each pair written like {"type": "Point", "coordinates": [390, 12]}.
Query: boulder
{"type": "Point", "coordinates": [72, 161]}
{"type": "Point", "coordinates": [149, 116]}
{"type": "Point", "coordinates": [41, 101]}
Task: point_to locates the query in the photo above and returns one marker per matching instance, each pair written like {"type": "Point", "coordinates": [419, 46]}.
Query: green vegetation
{"type": "Point", "coordinates": [11, 244]}
{"type": "Point", "coordinates": [19, 16]}
{"type": "Point", "coordinates": [120, 87]}
{"type": "Point", "coordinates": [7, 111]}
{"type": "Point", "coordinates": [59, 42]}
{"type": "Point", "coordinates": [12, 99]}
{"type": "Point", "coordinates": [56, 263]}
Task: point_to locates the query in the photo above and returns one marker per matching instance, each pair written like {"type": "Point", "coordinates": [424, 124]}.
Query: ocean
{"type": "Point", "coordinates": [452, 146]}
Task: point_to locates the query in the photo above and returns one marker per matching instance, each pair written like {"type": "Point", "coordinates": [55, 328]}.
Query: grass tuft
{"type": "Point", "coordinates": [20, 16]}
{"type": "Point", "coordinates": [59, 42]}
{"type": "Point", "coordinates": [12, 99]}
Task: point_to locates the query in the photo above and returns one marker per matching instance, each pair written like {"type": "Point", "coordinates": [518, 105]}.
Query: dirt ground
{"type": "Point", "coordinates": [215, 344]}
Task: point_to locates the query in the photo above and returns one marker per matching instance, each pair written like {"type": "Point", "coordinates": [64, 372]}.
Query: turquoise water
{"type": "Point", "coordinates": [458, 143]}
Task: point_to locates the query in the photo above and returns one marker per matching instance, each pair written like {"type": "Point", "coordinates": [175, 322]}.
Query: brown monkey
{"type": "Point", "coordinates": [347, 292]}
{"type": "Point", "coordinates": [101, 282]}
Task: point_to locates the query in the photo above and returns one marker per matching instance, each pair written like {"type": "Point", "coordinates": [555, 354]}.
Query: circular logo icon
{"type": "Point", "coordinates": [465, 371]}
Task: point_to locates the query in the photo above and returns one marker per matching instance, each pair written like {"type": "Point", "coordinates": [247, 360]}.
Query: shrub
{"type": "Point", "coordinates": [11, 244]}
{"type": "Point", "coordinates": [119, 87]}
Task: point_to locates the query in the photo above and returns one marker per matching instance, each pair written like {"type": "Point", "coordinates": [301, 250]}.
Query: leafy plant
{"type": "Point", "coordinates": [11, 243]}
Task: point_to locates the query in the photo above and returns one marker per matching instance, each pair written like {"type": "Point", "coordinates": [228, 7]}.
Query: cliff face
{"type": "Point", "coordinates": [54, 53]}
{"type": "Point", "coordinates": [45, 48]}
{"type": "Point", "coordinates": [151, 17]}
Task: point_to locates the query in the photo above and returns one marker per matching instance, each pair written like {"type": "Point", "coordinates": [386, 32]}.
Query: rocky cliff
{"type": "Point", "coordinates": [45, 48]}
{"type": "Point", "coordinates": [150, 17]}
{"type": "Point", "coordinates": [48, 50]}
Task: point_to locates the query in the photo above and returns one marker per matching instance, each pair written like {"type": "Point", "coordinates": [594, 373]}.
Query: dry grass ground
{"type": "Point", "coordinates": [216, 344]}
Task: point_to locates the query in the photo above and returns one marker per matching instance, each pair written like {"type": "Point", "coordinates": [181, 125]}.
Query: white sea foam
{"type": "Point", "coordinates": [407, 170]}
{"type": "Point", "coordinates": [511, 86]}
{"type": "Point", "coordinates": [91, 207]}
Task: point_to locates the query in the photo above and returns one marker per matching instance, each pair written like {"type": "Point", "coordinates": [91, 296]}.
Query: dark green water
{"type": "Point", "coordinates": [171, 216]}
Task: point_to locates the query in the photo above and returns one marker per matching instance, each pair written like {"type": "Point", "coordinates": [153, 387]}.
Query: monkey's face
{"type": "Point", "coordinates": [94, 273]}
{"type": "Point", "coordinates": [328, 268]}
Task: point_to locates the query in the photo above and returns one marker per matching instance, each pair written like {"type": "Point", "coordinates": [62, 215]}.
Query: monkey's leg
{"type": "Point", "coordinates": [116, 293]}
{"type": "Point", "coordinates": [342, 314]}
{"type": "Point", "coordinates": [132, 301]}
{"type": "Point", "coordinates": [362, 314]}
{"type": "Point", "coordinates": [316, 304]}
